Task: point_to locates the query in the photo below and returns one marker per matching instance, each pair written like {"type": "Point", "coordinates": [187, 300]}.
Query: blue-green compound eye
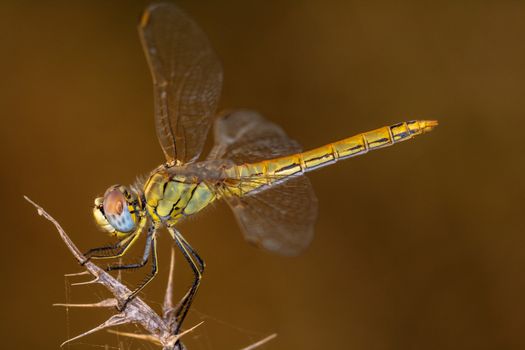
{"type": "Point", "coordinates": [116, 211]}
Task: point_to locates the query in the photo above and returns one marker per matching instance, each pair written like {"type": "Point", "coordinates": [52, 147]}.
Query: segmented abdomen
{"type": "Point", "coordinates": [254, 175]}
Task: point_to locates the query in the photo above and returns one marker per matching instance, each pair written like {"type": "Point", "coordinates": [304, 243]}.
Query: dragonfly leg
{"type": "Point", "coordinates": [145, 256]}
{"type": "Point", "coordinates": [197, 265]}
{"type": "Point", "coordinates": [111, 251]}
{"type": "Point", "coordinates": [150, 249]}
{"type": "Point", "coordinates": [201, 263]}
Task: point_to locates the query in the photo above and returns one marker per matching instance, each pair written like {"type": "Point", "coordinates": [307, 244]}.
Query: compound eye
{"type": "Point", "coordinates": [114, 202]}
{"type": "Point", "coordinates": [116, 211]}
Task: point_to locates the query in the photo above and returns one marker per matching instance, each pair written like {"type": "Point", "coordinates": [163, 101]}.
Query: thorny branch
{"type": "Point", "coordinates": [160, 329]}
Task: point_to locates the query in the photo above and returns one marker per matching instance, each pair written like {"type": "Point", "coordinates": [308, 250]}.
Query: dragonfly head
{"type": "Point", "coordinates": [118, 212]}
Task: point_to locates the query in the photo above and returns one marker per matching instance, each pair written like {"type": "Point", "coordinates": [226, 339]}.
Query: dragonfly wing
{"type": "Point", "coordinates": [281, 217]}
{"type": "Point", "coordinates": [187, 79]}
{"type": "Point", "coordinates": [244, 136]}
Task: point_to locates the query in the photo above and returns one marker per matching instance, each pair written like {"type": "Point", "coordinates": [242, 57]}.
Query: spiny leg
{"type": "Point", "coordinates": [92, 253]}
{"type": "Point", "coordinates": [150, 249]}
{"type": "Point", "coordinates": [186, 302]}
{"type": "Point", "coordinates": [118, 249]}
{"type": "Point", "coordinates": [111, 251]}
{"type": "Point", "coordinates": [197, 268]}
{"type": "Point", "coordinates": [184, 305]}
{"type": "Point", "coordinates": [145, 256]}
{"type": "Point", "coordinates": [202, 264]}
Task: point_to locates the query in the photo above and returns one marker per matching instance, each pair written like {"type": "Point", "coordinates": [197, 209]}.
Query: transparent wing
{"type": "Point", "coordinates": [280, 217]}
{"type": "Point", "coordinates": [187, 79]}
{"type": "Point", "coordinates": [244, 136]}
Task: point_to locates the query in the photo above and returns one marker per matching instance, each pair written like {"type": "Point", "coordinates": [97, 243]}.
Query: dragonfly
{"type": "Point", "coordinates": [253, 165]}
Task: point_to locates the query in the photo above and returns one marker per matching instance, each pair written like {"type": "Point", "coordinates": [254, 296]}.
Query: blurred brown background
{"type": "Point", "coordinates": [419, 246]}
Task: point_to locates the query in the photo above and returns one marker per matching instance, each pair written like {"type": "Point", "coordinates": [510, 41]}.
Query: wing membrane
{"type": "Point", "coordinates": [280, 217]}
{"type": "Point", "coordinates": [187, 79]}
{"type": "Point", "coordinates": [244, 136]}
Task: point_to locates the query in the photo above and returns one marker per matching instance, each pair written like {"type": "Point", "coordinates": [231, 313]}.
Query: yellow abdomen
{"type": "Point", "coordinates": [254, 175]}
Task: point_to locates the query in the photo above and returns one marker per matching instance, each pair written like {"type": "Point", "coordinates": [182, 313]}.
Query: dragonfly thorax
{"type": "Point", "coordinates": [169, 197]}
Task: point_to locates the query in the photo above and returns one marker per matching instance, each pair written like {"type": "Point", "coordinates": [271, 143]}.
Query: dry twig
{"type": "Point", "coordinates": [160, 329]}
